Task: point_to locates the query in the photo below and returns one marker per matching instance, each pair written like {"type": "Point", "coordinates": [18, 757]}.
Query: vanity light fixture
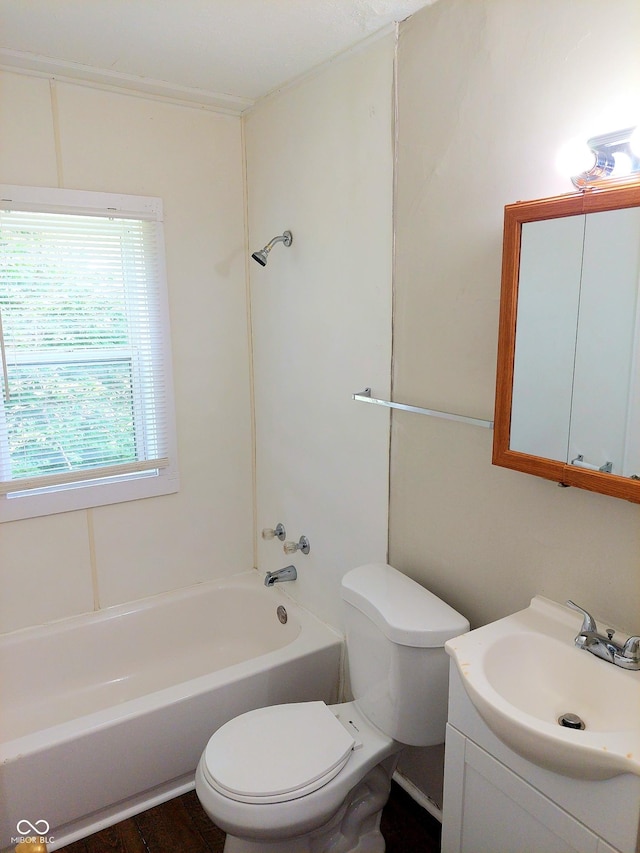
{"type": "Point", "coordinates": [610, 157]}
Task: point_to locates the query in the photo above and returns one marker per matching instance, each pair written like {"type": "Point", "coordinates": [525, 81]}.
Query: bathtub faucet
{"type": "Point", "coordinates": [289, 573]}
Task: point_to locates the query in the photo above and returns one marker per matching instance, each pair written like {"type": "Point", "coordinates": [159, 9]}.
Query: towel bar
{"type": "Point", "coordinates": [365, 397]}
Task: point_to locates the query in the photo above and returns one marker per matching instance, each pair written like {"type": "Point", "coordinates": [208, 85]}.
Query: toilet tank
{"type": "Point", "coordinates": [395, 634]}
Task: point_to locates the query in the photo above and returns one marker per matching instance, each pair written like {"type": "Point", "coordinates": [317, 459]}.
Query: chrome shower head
{"type": "Point", "coordinates": [262, 255]}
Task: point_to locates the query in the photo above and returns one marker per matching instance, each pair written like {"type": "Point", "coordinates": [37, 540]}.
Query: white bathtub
{"type": "Point", "coordinates": [106, 714]}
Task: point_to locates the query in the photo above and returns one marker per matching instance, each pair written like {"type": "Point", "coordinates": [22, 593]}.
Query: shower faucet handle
{"type": "Point", "coordinates": [302, 545]}
{"type": "Point", "coordinates": [277, 532]}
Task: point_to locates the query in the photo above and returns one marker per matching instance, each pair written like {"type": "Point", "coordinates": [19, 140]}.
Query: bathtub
{"type": "Point", "coordinates": [106, 714]}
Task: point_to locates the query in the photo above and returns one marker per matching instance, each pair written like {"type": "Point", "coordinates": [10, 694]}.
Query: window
{"type": "Point", "coordinates": [87, 404]}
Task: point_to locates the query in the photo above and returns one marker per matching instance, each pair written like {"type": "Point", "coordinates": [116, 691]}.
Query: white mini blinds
{"type": "Point", "coordinates": [86, 378]}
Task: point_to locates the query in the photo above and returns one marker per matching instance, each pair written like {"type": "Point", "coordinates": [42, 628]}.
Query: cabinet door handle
{"type": "Point", "coordinates": [580, 463]}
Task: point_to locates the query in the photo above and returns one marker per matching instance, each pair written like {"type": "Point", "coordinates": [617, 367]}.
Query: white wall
{"type": "Point", "coordinates": [488, 91]}
{"type": "Point", "coordinates": [320, 164]}
{"type": "Point", "coordinates": [78, 137]}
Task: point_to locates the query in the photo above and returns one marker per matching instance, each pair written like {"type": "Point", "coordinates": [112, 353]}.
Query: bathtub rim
{"type": "Point", "coordinates": [250, 578]}
{"type": "Point", "coordinates": [314, 634]}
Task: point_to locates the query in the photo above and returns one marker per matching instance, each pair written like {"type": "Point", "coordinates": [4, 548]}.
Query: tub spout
{"type": "Point", "coordinates": [289, 573]}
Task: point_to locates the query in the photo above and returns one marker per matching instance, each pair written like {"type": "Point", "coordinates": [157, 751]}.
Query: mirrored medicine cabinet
{"type": "Point", "coordinates": [568, 378]}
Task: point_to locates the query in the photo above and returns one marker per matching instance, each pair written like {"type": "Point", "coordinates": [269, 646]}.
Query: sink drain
{"type": "Point", "coordinates": [571, 721]}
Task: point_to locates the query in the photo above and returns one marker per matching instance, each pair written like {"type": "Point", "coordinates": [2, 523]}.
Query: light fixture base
{"type": "Point", "coordinates": [616, 159]}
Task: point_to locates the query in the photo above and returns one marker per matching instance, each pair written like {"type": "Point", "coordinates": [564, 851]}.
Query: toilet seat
{"type": "Point", "coordinates": [278, 753]}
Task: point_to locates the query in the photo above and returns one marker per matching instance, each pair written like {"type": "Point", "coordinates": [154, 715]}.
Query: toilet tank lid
{"type": "Point", "coordinates": [406, 612]}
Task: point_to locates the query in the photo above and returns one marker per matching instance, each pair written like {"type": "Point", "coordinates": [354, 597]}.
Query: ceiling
{"type": "Point", "coordinates": [225, 54]}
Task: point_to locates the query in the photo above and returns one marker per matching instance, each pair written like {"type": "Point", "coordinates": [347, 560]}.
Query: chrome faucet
{"type": "Point", "coordinates": [289, 573]}
{"type": "Point", "coordinates": [605, 647]}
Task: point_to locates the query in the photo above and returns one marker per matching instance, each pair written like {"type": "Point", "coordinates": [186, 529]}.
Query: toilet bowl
{"type": "Point", "coordinates": [302, 810]}
{"type": "Point", "coordinates": [312, 778]}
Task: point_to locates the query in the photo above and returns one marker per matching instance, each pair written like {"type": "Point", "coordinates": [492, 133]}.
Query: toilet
{"type": "Point", "coordinates": [312, 778]}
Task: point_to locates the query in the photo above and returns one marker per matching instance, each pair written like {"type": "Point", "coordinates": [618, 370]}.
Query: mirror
{"type": "Point", "coordinates": [568, 381]}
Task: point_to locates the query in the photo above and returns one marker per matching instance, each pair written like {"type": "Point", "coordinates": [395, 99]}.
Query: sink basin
{"type": "Point", "coordinates": [523, 673]}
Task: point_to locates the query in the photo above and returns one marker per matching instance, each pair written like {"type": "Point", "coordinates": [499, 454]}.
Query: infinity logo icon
{"type": "Point", "coordinates": [40, 827]}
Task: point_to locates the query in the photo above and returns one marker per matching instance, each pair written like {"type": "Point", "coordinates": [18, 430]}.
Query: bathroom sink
{"type": "Point", "coordinates": [524, 673]}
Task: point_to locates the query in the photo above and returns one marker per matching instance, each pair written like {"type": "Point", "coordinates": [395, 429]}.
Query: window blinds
{"type": "Point", "coordinates": [81, 342]}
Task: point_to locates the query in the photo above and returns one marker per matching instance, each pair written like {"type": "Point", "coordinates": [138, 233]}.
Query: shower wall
{"type": "Point", "coordinates": [319, 162]}
{"type": "Point", "coordinates": [54, 134]}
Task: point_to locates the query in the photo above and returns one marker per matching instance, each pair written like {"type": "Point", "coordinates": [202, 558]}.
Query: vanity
{"type": "Point", "coordinates": [518, 780]}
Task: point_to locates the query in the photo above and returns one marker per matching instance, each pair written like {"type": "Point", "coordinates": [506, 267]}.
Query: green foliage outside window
{"type": "Point", "coordinates": [69, 358]}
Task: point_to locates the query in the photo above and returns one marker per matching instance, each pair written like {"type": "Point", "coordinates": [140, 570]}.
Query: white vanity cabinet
{"type": "Point", "coordinates": [495, 800]}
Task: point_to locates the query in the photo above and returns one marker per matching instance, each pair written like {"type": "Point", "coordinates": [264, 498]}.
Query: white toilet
{"type": "Point", "coordinates": [312, 778]}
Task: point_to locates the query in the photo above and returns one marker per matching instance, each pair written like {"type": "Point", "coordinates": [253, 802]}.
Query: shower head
{"type": "Point", "coordinates": [262, 255]}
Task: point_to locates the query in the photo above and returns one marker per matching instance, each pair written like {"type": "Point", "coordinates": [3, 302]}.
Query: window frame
{"type": "Point", "coordinates": [21, 504]}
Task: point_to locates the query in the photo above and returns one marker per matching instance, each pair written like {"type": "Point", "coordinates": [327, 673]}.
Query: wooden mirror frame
{"type": "Point", "coordinates": [515, 215]}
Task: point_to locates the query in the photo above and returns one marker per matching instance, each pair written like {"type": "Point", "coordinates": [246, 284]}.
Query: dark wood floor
{"type": "Point", "coordinates": [181, 826]}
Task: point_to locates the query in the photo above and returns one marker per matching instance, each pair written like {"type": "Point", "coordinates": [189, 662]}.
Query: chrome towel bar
{"type": "Point", "coordinates": [365, 397]}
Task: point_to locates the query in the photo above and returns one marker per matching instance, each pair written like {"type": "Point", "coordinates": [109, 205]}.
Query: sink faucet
{"type": "Point", "coordinates": [289, 573]}
{"type": "Point", "coordinates": [605, 647]}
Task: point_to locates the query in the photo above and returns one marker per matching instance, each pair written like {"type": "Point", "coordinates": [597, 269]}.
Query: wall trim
{"type": "Point", "coordinates": [115, 81]}
{"type": "Point", "coordinates": [418, 796]}
{"type": "Point", "coordinates": [146, 87]}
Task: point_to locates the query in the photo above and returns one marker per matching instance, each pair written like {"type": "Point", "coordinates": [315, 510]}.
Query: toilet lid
{"type": "Point", "coordinates": [278, 753]}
